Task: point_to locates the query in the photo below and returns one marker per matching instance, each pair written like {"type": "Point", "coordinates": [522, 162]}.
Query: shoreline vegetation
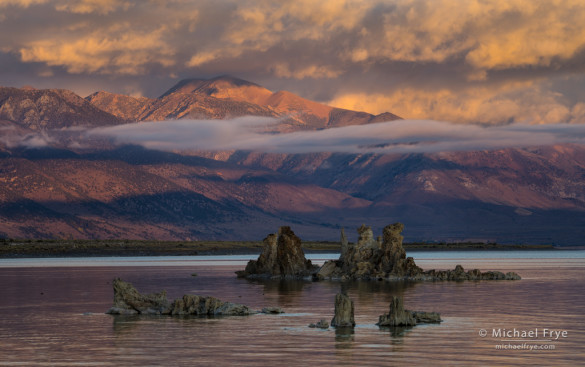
{"type": "Point", "coordinates": [14, 248]}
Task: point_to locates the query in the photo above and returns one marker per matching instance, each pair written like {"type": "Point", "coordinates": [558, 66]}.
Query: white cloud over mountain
{"type": "Point", "coordinates": [400, 136]}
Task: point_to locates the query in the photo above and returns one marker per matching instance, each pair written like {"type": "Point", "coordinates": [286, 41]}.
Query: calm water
{"type": "Point", "coordinates": [51, 314]}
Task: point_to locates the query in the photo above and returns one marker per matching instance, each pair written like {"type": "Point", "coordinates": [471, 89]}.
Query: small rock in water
{"type": "Point", "coordinates": [398, 316]}
{"type": "Point", "coordinates": [343, 311]}
{"type": "Point", "coordinates": [272, 310]}
{"type": "Point", "coordinates": [321, 324]}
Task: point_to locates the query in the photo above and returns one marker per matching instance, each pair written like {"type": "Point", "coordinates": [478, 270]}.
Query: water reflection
{"type": "Point", "coordinates": [52, 330]}
{"type": "Point", "coordinates": [365, 291]}
{"type": "Point", "coordinates": [396, 332]}
{"type": "Point", "coordinates": [281, 286]}
{"type": "Point", "coordinates": [125, 324]}
{"type": "Point", "coordinates": [281, 292]}
{"type": "Point", "coordinates": [344, 337]}
{"type": "Point", "coordinates": [289, 291]}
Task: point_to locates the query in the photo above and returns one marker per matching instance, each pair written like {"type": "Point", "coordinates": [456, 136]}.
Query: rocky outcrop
{"type": "Point", "coordinates": [282, 257]}
{"type": "Point", "coordinates": [385, 258]}
{"type": "Point", "coordinates": [423, 317]}
{"type": "Point", "coordinates": [372, 258]}
{"type": "Point", "coordinates": [459, 274]}
{"type": "Point", "coordinates": [207, 306]}
{"type": "Point", "coordinates": [128, 301]}
{"type": "Point", "coordinates": [398, 316]}
{"type": "Point", "coordinates": [343, 311]}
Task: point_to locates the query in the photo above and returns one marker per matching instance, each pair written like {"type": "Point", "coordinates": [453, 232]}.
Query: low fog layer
{"type": "Point", "coordinates": [402, 136]}
{"type": "Point", "coordinates": [249, 133]}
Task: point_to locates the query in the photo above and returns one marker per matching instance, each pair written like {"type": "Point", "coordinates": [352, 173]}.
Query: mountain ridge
{"type": "Point", "coordinates": [50, 189]}
{"type": "Point", "coordinates": [42, 109]}
{"type": "Point", "coordinates": [227, 97]}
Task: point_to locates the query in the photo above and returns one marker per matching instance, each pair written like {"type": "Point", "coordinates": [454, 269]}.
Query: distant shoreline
{"type": "Point", "coordinates": [98, 248]}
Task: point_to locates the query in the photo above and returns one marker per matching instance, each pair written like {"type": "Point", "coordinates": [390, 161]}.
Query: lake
{"type": "Point", "coordinates": [52, 314]}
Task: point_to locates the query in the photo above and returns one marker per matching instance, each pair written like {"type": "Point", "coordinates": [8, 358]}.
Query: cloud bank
{"type": "Point", "coordinates": [12, 137]}
{"type": "Point", "coordinates": [488, 61]}
{"type": "Point", "coordinates": [400, 136]}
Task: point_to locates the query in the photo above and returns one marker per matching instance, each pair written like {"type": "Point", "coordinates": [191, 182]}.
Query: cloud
{"type": "Point", "coordinates": [496, 34]}
{"type": "Point", "coordinates": [20, 3]}
{"type": "Point", "coordinates": [12, 137]}
{"type": "Point", "coordinates": [525, 102]}
{"type": "Point", "coordinates": [401, 136]}
{"type": "Point", "coordinates": [111, 37]}
{"type": "Point", "coordinates": [119, 49]}
{"type": "Point", "coordinates": [73, 6]}
{"type": "Point", "coordinates": [92, 6]}
{"type": "Point", "coordinates": [313, 71]}
{"type": "Point", "coordinates": [250, 134]}
{"type": "Point", "coordinates": [203, 58]}
{"type": "Point", "coordinates": [484, 35]}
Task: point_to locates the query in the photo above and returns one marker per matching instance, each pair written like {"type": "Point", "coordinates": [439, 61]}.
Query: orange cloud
{"type": "Point", "coordinates": [118, 50]}
{"type": "Point", "coordinates": [92, 6]}
{"type": "Point", "coordinates": [494, 34]}
{"type": "Point", "coordinates": [259, 25]}
{"type": "Point", "coordinates": [108, 37]}
{"type": "Point", "coordinates": [283, 70]}
{"type": "Point", "coordinates": [485, 35]}
{"type": "Point", "coordinates": [74, 6]}
{"type": "Point", "coordinates": [521, 102]}
{"type": "Point", "coordinates": [21, 3]}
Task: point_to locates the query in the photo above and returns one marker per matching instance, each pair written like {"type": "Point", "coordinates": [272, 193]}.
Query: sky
{"type": "Point", "coordinates": [465, 61]}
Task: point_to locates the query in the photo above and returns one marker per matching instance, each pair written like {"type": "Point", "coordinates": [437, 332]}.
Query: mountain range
{"type": "Point", "coordinates": [55, 189]}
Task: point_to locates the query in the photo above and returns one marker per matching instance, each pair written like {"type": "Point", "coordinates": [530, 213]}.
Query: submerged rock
{"type": "Point", "coordinates": [459, 274]}
{"type": "Point", "coordinates": [343, 311]}
{"type": "Point", "coordinates": [321, 324]}
{"type": "Point", "coordinates": [272, 310]}
{"type": "Point", "coordinates": [207, 306]}
{"type": "Point", "coordinates": [423, 317]}
{"type": "Point", "coordinates": [128, 301]}
{"type": "Point", "coordinates": [398, 316]}
{"type": "Point", "coordinates": [282, 257]}
{"type": "Point", "coordinates": [386, 259]}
